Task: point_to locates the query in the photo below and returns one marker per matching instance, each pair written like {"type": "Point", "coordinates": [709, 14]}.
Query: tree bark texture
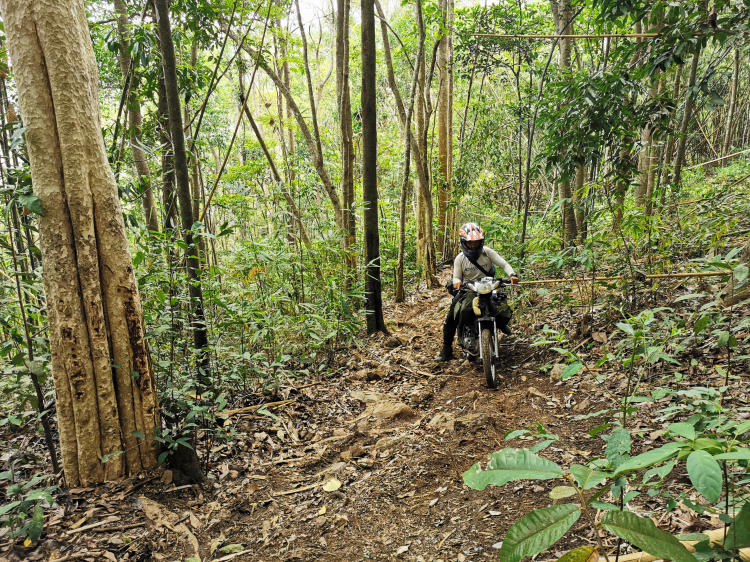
{"type": "Point", "coordinates": [444, 131]}
{"type": "Point", "coordinates": [95, 314]}
{"type": "Point", "coordinates": [168, 195]}
{"type": "Point", "coordinates": [562, 16]}
{"type": "Point", "coordinates": [373, 296]}
{"type": "Point", "coordinates": [344, 104]}
{"type": "Point", "coordinates": [182, 177]}
{"type": "Point", "coordinates": [135, 120]}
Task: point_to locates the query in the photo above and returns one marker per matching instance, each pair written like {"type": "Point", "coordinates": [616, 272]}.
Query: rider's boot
{"type": "Point", "coordinates": [446, 354]}
{"type": "Point", "coordinates": [504, 328]}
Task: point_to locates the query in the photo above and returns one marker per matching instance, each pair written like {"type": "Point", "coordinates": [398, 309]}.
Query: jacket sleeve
{"type": "Point", "coordinates": [458, 269]}
{"type": "Point", "coordinates": [499, 262]}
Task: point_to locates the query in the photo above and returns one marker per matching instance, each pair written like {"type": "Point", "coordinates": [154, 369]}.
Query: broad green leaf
{"type": "Point", "coordinates": [603, 506]}
{"type": "Point", "coordinates": [511, 464]}
{"type": "Point", "coordinates": [705, 474]}
{"type": "Point", "coordinates": [618, 445]}
{"type": "Point", "coordinates": [36, 525]}
{"type": "Point", "coordinates": [32, 203]}
{"type": "Point", "coordinates": [698, 537]}
{"type": "Point", "coordinates": [580, 554]}
{"type": "Point", "coordinates": [138, 434]}
{"type": "Point", "coordinates": [654, 456]}
{"type": "Point", "coordinates": [700, 324]}
{"type": "Point", "coordinates": [587, 478]}
{"type": "Point", "coordinates": [627, 328]}
{"type": "Point", "coordinates": [106, 458]}
{"type": "Point", "coordinates": [515, 433]}
{"type": "Point", "coordinates": [738, 535]}
{"type": "Point", "coordinates": [740, 272]}
{"type": "Point", "coordinates": [39, 495]}
{"type": "Point", "coordinates": [571, 370]}
{"type": "Point", "coordinates": [682, 429]}
{"type": "Point", "coordinates": [9, 506]}
{"type": "Point", "coordinates": [644, 534]}
{"type": "Point", "coordinates": [660, 471]}
{"type": "Point", "coordinates": [542, 445]}
{"type": "Point", "coordinates": [560, 492]}
{"type": "Point", "coordinates": [539, 530]}
{"type": "Point", "coordinates": [738, 455]}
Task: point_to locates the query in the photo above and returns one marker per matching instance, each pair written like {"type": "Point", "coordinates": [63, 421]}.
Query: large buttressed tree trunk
{"type": "Point", "coordinates": [95, 315]}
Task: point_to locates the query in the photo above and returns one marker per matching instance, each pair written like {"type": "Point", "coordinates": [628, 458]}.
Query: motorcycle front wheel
{"type": "Point", "coordinates": [488, 356]}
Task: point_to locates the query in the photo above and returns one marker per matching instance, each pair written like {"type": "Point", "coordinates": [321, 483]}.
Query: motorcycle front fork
{"type": "Point", "coordinates": [494, 338]}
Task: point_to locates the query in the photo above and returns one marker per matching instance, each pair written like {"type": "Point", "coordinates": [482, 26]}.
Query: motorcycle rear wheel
{"type": "Point", "coordinates": [490, 371]}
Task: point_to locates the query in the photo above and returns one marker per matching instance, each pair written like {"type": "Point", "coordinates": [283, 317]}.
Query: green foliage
{"type": "Point", "coordinates": [23, 512]}
{"type": "Point", "coordinates": [537, 531]}
{"type": "Point", "coordinates": [644, 534]}
{"type": "Point", "coordinates": [511, 464]}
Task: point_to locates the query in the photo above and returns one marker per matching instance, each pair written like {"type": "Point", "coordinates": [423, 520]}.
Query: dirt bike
{"type": "Point", "coordinates": [479, 338]}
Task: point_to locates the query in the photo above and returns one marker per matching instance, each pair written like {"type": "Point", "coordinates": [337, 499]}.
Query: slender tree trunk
{"type": "Point", "coordinates": [669, 149]}
{"type": "Point", "coordinates": [135, 119]}
{"type": "Point", "coordinates": [562, 15]}
{"type": "Point", "coordinates": [168, 195]}
{"type": "Point", "coordinates": [182, 177]}
{"type": "Point", "coordinates": [374, 302]}
{"type": "Point", "coordinates": [344, 104]}
{"type": "Point", "coordinates": [444, 133]}
{"type": "Point", "coordinates": [95, 316]}
{"type": "Point", "coordinates": [726, 145]}
{"type": "Point", "coordinates": [686, 118]}
{"type": "Point", "coordinates": [580, 212]}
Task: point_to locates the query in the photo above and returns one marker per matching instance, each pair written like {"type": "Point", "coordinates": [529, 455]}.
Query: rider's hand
{"type": "Point", "coordinates": [514, 279]}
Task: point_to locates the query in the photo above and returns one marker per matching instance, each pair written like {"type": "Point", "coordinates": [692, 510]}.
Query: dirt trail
{"type": "Point", "coordinates": [396, 444]}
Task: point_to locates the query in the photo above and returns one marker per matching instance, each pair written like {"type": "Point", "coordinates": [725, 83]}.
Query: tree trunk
{"type": "Point", "coordinates": [182, 177]}
{"type": "Point", "coordinates": [562, 15]}
{"type": "Point", "coordinates": [344, 104]}
{"type": "Point", "coordinates": [669, 149]}
{"type": "Point", "coordinates": [374, 301]}
{"type": "Point", "coordinates": [686, 117]}
{"type": "Point", "coordinates": [580, 211]}
{"type": "Point", "coordinates": [444, 132]}
{"type": "Point", "coordinates": [168, 196]}
{"type": "Point", "coordinates": [95, 315]}
{"type": "Point", "coordinates": [732, 106]}
{"type": "Point", "coordinates": [135, 119]}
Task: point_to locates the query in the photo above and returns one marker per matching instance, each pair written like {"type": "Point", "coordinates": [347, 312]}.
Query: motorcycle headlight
{"type": "Point", "coordinates": [483, 286]}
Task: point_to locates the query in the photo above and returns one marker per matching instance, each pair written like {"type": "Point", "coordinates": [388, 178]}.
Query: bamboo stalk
{"type": "Point", "coordinates": [717, 159]}
{"type": "Point", "coordinates": [615, 278]}
{"type": "Point", "coordinates": [576, 36]}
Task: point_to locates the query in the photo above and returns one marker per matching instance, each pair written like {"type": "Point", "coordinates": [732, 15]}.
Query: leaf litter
{"type": "Point", "coordinates": [368, 463]}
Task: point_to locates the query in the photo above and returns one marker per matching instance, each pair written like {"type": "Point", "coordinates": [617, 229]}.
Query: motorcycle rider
{"type": "Point", "coordinates": [474, 262]}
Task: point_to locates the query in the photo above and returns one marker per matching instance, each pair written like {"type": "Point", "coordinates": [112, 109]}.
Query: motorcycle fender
{"type": "Point", "coordinates": [475, 306]}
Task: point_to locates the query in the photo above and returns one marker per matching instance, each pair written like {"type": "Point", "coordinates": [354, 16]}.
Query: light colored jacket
{"type": "Point", "coordinates": [464, 271]}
